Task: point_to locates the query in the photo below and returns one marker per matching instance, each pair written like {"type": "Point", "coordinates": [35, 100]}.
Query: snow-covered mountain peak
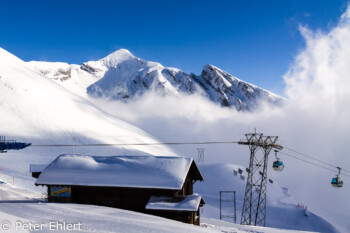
{"type": "Point", "coordinates": [211, 72]}
{"type": "Point", "coordinates": [120, 53]}
{"type": "Point", "coordinates": [210, 67]}
{"type": "Point", "coordinates": [216, 76]}
{"type": "Point", "coordinates": [228, 90]}
{"type": "Point", "coordinates": [119, 56]}
{"type": "Point", "coordinates": [123, 76]}
{"type": "Point", "coordinates": [119, 60]}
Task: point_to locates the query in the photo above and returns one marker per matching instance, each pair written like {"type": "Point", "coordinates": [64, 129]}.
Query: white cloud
{"type": "Point", "coordinates": [318, 85]}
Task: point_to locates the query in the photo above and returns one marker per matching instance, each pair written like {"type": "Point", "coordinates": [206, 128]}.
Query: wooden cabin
{"type": "Point", "coordinates": [161, 186]}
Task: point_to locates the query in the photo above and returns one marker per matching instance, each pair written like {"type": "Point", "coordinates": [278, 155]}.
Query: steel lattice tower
{"type": "Point", "coordinates": [254, 205]}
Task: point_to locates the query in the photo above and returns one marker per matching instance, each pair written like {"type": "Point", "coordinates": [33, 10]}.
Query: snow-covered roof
{"type": "Point", "coordinates": [119, 171]}
{"type": "Point", "coordinates": [178, 203]}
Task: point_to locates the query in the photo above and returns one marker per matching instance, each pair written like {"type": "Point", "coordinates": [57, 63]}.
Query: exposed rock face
{"type": "Point", "coordinates": [54, 70]}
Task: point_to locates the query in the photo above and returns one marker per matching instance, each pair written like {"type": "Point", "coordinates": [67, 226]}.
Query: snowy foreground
{"type": "Point", "coordinates": [23, 210]}
{"type": "Point", "coordinates": [23, 202]}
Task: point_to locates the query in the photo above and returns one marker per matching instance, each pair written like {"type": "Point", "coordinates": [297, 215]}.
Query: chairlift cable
{"type": "Point", "coordinates": [312, 163]}
{"type": "Point", "coordinates": [311, 157]}
{"type": "Point", "coordinates": [134, 144]}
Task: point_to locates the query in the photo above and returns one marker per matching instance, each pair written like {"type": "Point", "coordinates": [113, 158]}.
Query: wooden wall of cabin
{"type": "Point", "coordinates": [192, 176]}
{"type": "Point", "coordinates": [124, 198]}
{"type": "Point", "coordinates": [187, 188]}
{"type": "Point", "coordinates": [196, 218]}
{"type": "Point", "coordinates": [129, 199]}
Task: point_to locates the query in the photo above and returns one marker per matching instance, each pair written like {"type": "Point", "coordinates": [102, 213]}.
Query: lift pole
{"type": "Point", "coordinates": [254, 205]}
{"type": "Point", "coordinates": [200, 155]}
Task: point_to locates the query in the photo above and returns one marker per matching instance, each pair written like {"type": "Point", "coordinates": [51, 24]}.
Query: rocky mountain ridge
{"type": "Point", "coordinates": [122, 76]}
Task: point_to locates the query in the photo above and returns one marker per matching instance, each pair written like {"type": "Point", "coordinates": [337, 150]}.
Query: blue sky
{"type": "Point", "coordinates": [253, 40]}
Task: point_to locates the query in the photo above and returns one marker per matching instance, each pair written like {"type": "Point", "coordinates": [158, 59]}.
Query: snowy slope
{"type": "Point", "coordinates": [21, 206]}
{"type": "Point", "coordinates": [35, 107]}
{"type": "Point", "coordinates": [69, 76]}
{"type": "Point", "coordinates": [122, 76]}
{"type": "Point", "coordinates": [282, 209]}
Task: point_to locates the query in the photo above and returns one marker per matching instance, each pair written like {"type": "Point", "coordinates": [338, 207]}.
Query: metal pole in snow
{"type": "Point", "coordinates": [220, 207]}
{"type": "Point", "coordinates": [234, 206]}
{"type": "Point", "coordinates": [73, 142]}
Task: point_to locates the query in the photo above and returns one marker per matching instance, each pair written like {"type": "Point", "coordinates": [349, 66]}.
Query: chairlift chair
{"type": "Point", "coordinates": [277, 165]}
{"type": "Point", "coordinates": [337, 182]}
